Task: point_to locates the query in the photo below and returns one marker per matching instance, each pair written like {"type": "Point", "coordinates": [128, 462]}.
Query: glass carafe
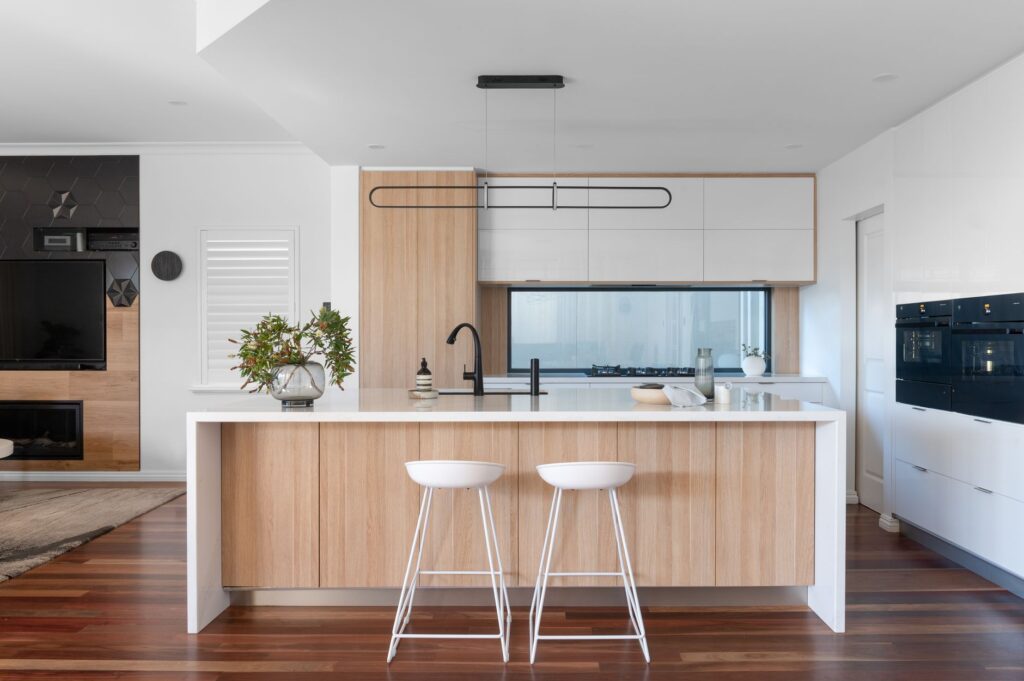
{"type": "Point", "coordinates": [704, 373]}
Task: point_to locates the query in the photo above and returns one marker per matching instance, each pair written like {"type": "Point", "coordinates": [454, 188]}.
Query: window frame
{"type": "Point", "coordinates": [767, 290]}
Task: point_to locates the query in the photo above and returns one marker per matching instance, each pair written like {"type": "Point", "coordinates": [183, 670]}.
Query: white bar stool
{"type": "Point", "coordinates": [434, 475]}
{"type": "Point", "coordinates": [584, 475]}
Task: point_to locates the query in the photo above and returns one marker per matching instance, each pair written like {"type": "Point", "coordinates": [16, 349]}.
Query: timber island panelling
{"type": "Point", "coordinates": [712, 504]}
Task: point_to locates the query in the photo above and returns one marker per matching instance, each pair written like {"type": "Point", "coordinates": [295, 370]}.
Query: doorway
{"type": "Point", "coordinates": [872, 333]}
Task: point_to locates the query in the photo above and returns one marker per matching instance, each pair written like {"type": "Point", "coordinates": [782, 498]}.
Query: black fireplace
{"type": "Point", "coordinates": [43, 430]}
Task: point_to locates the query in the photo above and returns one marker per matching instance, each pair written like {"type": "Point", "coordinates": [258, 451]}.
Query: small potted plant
{"type": "Point", "coordinates": [276, 356]}
{"type": "Point", "coordinates": [754, 361]}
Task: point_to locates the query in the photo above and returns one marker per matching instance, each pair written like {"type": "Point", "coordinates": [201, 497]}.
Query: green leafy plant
{"type": "Point", "coordinates": [274, 342]}
{"type": "Point", "coordinates": [752, 351]}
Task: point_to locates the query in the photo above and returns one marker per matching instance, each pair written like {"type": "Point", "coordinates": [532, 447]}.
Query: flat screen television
{"type": "Point", "coordinates": [53, 314]}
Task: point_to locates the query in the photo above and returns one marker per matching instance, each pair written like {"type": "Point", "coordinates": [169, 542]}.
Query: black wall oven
{"type": "Point", "coordinates": [924, 354]}
{"type": "Point", "coordinates": [988, 357]}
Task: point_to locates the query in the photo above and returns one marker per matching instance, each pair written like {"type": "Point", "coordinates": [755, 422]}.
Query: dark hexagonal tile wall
{"type": "Point", "coordinates": [105, 193]}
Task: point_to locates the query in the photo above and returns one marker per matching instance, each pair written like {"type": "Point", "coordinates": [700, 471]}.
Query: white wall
{"type": "Point", "coordinates": [182, 192]}
{"type": "Point", "coordinates": [859, 183]}
{"type": "Point", "coordinates": [951, 181]}
{"type": "Point", "coordinates": [345, 252]}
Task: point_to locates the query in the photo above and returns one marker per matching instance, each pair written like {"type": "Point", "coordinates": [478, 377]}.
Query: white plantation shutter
{"type": "Point", "coordinates": [245, 274]}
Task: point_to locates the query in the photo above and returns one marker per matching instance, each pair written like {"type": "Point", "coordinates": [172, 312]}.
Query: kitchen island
{"type": "Point", "coordinates": [749, 494]}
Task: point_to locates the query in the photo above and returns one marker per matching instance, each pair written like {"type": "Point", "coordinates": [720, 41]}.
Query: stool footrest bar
{"type": "Point", "coordinates": [590, 637]}
{"type": "Point", "coordinates": [586, 574]}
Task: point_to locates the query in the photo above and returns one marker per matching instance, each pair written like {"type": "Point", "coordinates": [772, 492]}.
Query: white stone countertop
{"type": "Point", "coordinates": [559, 405]}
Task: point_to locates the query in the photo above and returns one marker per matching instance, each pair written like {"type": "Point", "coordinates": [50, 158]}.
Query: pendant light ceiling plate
{"type": "Point", "coordinates": [520, 82]}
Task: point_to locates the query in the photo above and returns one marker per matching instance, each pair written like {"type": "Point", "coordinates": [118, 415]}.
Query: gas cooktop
{"type": "Point", "coordinates": [617, 370]}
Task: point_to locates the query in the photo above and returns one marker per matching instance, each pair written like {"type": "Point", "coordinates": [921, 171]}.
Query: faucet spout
{"type": "Point", "coordinates": [477, 375]}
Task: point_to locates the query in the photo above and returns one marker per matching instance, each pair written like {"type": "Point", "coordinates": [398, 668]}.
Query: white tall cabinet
{"type": "Point", "coordinates": [753, 229]}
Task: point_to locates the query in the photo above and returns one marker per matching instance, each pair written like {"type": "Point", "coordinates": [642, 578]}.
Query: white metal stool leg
{"type": "Point", "coordinates": [628, 581]}
{"type": "Point", "coordinates": [412, 574]}
{"type": "Point", "coordinates": [506, 609]}
{"type": "Point", "coordinates": [625, 572]}
{"type": "Point", "coordinates": [541, 589]}
{"type": "Point", "coordinates": [409, 588]}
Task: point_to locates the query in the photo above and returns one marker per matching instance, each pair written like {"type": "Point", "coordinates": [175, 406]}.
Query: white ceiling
{"type": "Point", "coordinates": [103, 71]}
{"type": "Point", "coordinates": [653, 85]}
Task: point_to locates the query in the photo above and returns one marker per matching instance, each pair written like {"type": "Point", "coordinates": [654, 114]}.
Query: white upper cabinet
{"type": "Point", "coordinates": [715, 229]}
{"type": "Point", "coordinates": [758, 255]}
{"type": "Point", "coordinates": [511, 255]}
{"type": "Point", "coordinates": [645, 255]}
{"type": "Point", "coordinates": [759, 203]}
{"type": "Point", "coordinates": [685, 197]}
{"type": "Point", "coordinates": [501, 194]}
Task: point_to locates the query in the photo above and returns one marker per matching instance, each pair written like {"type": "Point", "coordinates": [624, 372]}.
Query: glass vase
{"type": "Point", "coordinates": [297, 385]}
{"type": "Point", "coordinates": [704, 373]}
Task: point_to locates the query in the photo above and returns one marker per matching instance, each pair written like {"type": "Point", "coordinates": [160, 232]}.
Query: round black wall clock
{"type": "Point", "coordinates": [166, 265]}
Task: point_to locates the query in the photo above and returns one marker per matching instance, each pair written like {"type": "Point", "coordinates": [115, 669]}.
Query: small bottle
{"type": "Point", "coordinates": [424, 379]}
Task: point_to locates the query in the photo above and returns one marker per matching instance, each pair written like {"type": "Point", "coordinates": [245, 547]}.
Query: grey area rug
{"type": "Point", "coordinates": [37, 525]}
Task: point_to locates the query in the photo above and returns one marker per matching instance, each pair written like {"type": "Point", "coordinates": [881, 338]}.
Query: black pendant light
{"type": "Point", "coordinates": [378, 194]}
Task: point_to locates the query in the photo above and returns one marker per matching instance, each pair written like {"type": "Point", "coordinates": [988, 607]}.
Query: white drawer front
{"type": "Point", "coordinates": [922, 498]}
{"type": "Point", "coordinates": [988, 454]}
{"type": "Point", "coordinates": [924, 437]}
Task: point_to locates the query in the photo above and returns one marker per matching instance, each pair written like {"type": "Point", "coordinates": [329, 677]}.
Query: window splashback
{"type": "Point", "coordinates": [576, 328]}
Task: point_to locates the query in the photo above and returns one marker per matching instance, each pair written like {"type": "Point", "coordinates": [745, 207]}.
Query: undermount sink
{"type": "Point", "coordinates": [496, 391]}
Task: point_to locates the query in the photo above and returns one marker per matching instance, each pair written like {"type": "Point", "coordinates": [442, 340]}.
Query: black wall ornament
{"type": "Point", "coordinates": [166, 265]}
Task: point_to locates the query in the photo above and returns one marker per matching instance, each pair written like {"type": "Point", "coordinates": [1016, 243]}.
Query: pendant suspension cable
{"type": "Point", "coordinates": [487, 128]}
{"type": "Point", "coordinates": [554, 148]}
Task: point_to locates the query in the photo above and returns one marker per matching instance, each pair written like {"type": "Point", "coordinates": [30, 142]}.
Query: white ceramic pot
{"type": "Point", "coordinates": [753, 366]}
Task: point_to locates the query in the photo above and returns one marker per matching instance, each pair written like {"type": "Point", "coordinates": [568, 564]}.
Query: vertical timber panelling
{"type": "Point", "coordinates": [417, 278]}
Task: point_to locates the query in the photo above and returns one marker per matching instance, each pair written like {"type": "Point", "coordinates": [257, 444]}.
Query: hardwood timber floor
{"type": "Point", "coordinates": [115, 609]}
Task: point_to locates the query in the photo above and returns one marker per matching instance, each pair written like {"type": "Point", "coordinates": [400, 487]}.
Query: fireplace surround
{"type": "Point", "coordinates": [43, 430]}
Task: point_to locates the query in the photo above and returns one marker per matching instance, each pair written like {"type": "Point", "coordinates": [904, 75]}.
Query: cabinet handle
{"type": "Point", "coordinates": [766, 382]}
{"type": "Point", "coordinates": [982, 489]}
{"type": "Point", "coordinates": [981, 421]}
{"type": "Point", "coordinates": [920, 468]}
{"type": "Point", "coordinates": [919, 409]}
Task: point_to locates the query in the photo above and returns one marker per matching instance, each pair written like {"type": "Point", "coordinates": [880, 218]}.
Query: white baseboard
{"type": "Point", "coordinates": [851, 497]}
{"type": "Point", "coordinates": [92, 476]}
{"type": "Point", "coordinates": [888, 523]}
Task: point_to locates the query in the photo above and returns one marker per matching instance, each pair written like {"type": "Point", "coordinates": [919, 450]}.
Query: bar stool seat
{"type": "Point", "coordinates": [586, 475]}
{"type": "Point", "coordinates": [453, 475]}
{"type": "Point", "coordinates": [449, 474]}
{"type": "Point", "coordinates": [6, 448]}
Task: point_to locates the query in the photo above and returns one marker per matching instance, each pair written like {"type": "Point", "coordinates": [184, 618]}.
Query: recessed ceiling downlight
{"type": "Point", "coordinates": [884, 78]}
{"type": "Point", "coordinates": [375, 147]}
{"type": "Point", "coordinates": [793, 147]}
{"type": "Point", "coordinates": [177, 102]}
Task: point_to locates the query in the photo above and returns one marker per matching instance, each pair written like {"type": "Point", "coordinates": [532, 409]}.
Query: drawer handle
{"type": "Point", "coordinates": [981, 421]}
{"type": "Point", "coordinates": [982, 489]}
{"type": "Point", "coordinates": [920, 468]}
{"type": "Point", "coordinates": [919, 409]}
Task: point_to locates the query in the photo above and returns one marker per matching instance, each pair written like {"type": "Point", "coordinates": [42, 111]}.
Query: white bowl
{"type": "Point", "coordinates": [587, 474]}
{"type": "Point", "coordinates": [453, 474]}
{"type": "Point", "coordinates": [6, 448]}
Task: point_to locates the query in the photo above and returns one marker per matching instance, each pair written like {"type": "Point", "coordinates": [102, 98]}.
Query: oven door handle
{"type": "Point", "coordinates": [923, 325]}
{"type": "Point", "coordinates": [989, 331]}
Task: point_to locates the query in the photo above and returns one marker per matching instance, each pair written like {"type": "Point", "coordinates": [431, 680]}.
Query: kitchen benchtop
{"type": "Point", "coordinates": [380, 405]}
{"type": "Point", "coordinates": [579, 377]}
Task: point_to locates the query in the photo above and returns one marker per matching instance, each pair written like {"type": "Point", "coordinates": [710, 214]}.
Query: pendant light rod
{"type": "Point", "coordinates": [483, 201]}
{"type": "Point", "coordinates": [520, 82]}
